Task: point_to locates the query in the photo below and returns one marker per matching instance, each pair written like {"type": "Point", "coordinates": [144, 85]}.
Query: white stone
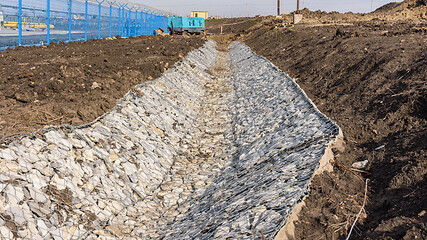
{"type": "Point", "coordinates": [77, 143]}
{"type": "Point", "coordinates": [9, 166]}
{"type": "Point", "coordinates": [8, 154]}
{"type": "Point", "coordinates": [88, 155]}
{"type": "Point", "coordinates": [360, 165]}
{"type": "Point", "coordinates": [57, 138]}
{"type": "Point", "coordinates": [32, 227]}
{"type": "Point", "coordinates": [25, 165]}
{"type": "Point", "coordinates": [59, 182]}
{"type": "Point", "coordinates": [14, 194]}
{"type": "Point", "coordinates": [6, 233]}
{"type": "Point", "coordinates": [37, 195]}
{"type": "Point", "coordinates": [129, 168]}
{"type": "Point", "coordinates": [17, 213]}
{"type": "Point", "coordinates": [43, 229]}
{"type": "Point", "coordinates": [57, 234]}
{"type": "Point", "coordinates": [36, 178]}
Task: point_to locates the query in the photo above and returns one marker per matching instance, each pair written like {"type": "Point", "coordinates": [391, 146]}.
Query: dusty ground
{"type": "Point", "coordinates": [368, 73]}
{"type": "Point", "coordinates": [79, 81]}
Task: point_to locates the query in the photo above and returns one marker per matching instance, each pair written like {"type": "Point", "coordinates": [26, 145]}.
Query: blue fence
{"type": "Point", "coordinates": [38, 22]}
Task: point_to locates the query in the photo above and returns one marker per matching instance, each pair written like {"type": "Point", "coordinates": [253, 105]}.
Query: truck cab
{"type": "Point", "coordinates": [180, 25]}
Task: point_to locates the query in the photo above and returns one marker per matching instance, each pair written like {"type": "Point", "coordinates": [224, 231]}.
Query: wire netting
{"type": "Point", "coordinates": [31, 22]}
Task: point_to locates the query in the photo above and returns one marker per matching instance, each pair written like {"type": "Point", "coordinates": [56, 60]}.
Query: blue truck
{"type": "Point", "coordinates": [186, 25]}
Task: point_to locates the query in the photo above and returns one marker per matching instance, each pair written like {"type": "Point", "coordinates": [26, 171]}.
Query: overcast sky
{"type": "Point", "coordinates": [234, 8]}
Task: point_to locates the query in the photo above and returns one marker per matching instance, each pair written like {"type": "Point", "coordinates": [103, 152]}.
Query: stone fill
{"type": "Point", "coordinates": [221, 146]}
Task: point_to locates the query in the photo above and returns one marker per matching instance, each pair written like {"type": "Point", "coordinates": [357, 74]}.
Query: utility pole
{"type": "Point", "coordinates": [278, 7]}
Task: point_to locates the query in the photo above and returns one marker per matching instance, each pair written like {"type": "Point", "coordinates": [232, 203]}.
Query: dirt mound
{"type": "Point", "coordinates": [77, 82]}
{"type": "Point", "coordinates": [406, 10]}
{"type": "Point", "coordinates": [370, 78]}
{"type": "Point", "coordinates": [387, 7]}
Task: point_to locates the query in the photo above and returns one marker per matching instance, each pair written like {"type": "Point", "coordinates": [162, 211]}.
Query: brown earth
{"type": "Point", "coordinates": [369, 77]}
{"type": "Point", "coordinates": [75, 83]}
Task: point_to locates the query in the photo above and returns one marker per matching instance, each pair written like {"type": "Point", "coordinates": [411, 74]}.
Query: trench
{"type": "Point", "coordinates": [222, 146]}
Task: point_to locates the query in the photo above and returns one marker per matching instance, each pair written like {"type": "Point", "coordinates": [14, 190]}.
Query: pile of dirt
{"type": "Point", "coordinates": [408, 10]}
{"type": "Point", "coordinates": [75, 83]}
{"type": "Point", "coordinates": [369, 77]}
{"type": "Point", "coordinates": [387, 7]}
{"type": "Point", "coordinates": [238, 26]}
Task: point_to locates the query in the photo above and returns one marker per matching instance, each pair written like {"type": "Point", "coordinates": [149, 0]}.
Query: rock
{"type": "Point", "coordinates": [35, 208]}
{"type": "Point", "coordinates": [18, 215]}
{"type": "Point", "coordinates": [36, 178]}
{"type": "Point", "coordinates": [43, 229]}
{"type": "Point", "coordinates": [57, 139]}
{"type": "Point", "coordinates": [31, 156]}
{"type": "Point", "coordinates": [360, 164]}
{"type": "Point", "coordinates": [59, 182]}
{"type": "Point", "coordinates": [95, 85]}
{"type": "Point", "coordinates": [6, 233]}
{"type": "Point", "coordinates": [129, 168]}
{"type": "Point", "coordinates": [8, 154]}
{"type": "Point", "coordinates": [88, 155]}
{"type": "Point", "coordinates": [37, 195]}
{"type": "Point", "coordinates": [76, 142]}
{"type": "Point", "coordinates": [10, 166]}
{"type": "Point", "coordinates": [14, 194]}
{"type": "Point", "coordinates": [117, 230]}
{"type": "Point", "coordinates": [58, 234]}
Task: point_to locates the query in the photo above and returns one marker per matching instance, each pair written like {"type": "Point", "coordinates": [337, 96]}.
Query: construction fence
{"type": "Point", "coordinates": [39, 22]}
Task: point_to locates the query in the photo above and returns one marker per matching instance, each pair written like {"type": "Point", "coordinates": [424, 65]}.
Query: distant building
{"type": "Point", "coordinates": [200, 14]}
{"type": "Point", "coordinates": [215, 17]}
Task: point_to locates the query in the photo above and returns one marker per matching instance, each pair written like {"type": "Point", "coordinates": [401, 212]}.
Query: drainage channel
{"type": "Point", "coordinates": [222, 146]}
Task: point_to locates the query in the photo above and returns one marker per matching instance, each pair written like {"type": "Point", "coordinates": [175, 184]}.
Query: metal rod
{"type": "Point", "coordinates": [129, 33]}
{"type": "Point", "coordinates": [85, 20]}
{"type": "Point", "coordinates": [48, 22]}
{"type": "Point", "coordinates": [142, 23]}
{"type": "Point", "coordinates": [20, 23]}
{"type": "Point", "coordinates": [145, 23]}
{"type": "Point", "coordinates": [99, 20]}
{"type": "Point", "coordinates": [136, 22]}
{"type": "Point", "coordinates": [119, 20]}
{"type": "Point", "coordinates": [298, 6]}
{"type": "Point", "coordinates": [69, 20]}
{"type": "Point", "coordinates": [111, 9]}
{"type": "Point", "coordinates": [278, 7]}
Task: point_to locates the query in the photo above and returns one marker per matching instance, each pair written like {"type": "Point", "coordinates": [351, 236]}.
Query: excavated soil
{"type": "Point", "coordinates": [75, 83]}
{"type": "Point", "coordinates": [369, 77]}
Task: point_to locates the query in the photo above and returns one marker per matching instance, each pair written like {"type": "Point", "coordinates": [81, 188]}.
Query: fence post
{"type": "Point", "coordinates": [69, 21]}
{"type": "Point", "coordinates": [150, 22]}
{"type": "Point", "coordinates": [20, 22]}
{"type": "Point", "coordinates": [123, 20]}
{"type": "Point", "coordinates": [129, 23]}
{"type": "Point", "coordinates": [136, 23]}
{"type": "Point", "coordinates": [99, 18]}
{"type": "Point", "coordinates": [48, 22]}
{"type": "Point", "coordinates": [128, 30]}
{"type": "Point", "coordinates": [85, 20]}
{"type": "Point", "coordinates": [120, 10]}
{"type": "Point", "coordinates": [143, 21]}
{"type": "Point", "coordinates": [111, 11]}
